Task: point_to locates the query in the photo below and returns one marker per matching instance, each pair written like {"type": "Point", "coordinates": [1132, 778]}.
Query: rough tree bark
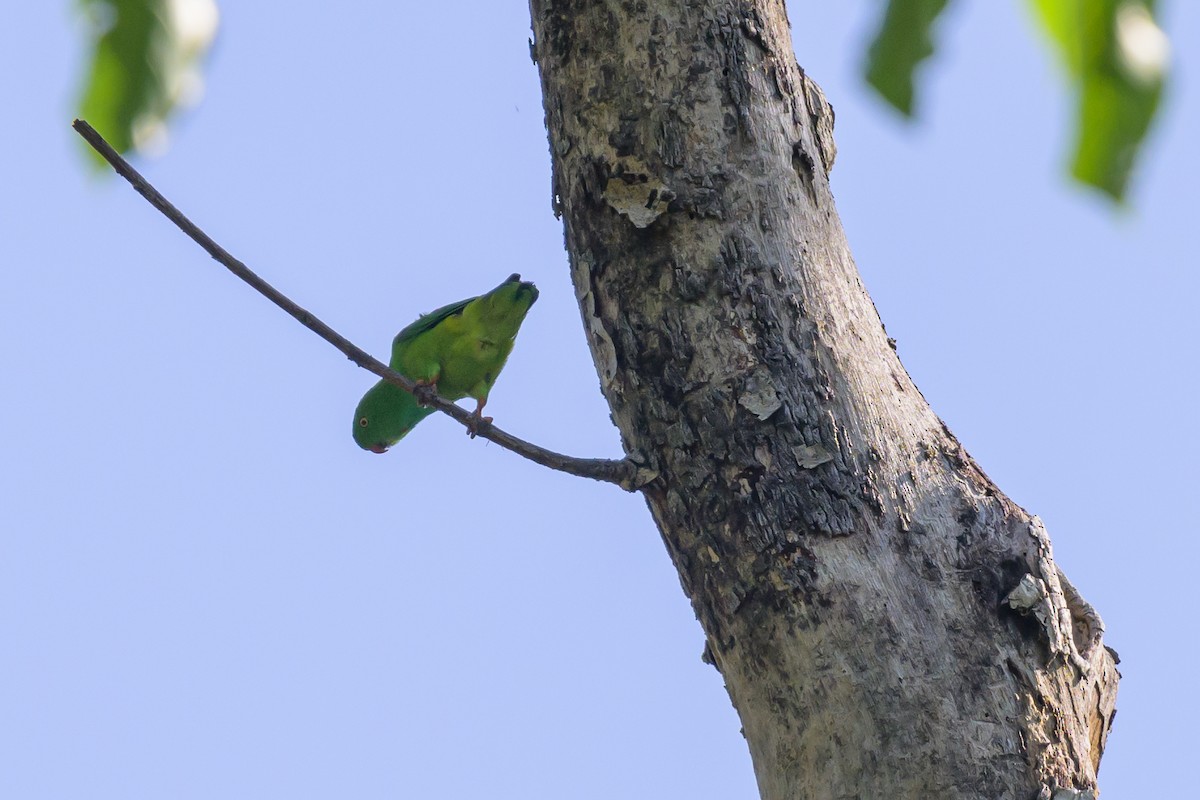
{"type": "Point", "coordinates": [888, 623]}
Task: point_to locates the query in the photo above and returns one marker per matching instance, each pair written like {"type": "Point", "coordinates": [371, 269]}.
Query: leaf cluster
{"type": "Point", "coordinates": [145, 58]}
{"type": "Point", "coordinates": [1116, 60]}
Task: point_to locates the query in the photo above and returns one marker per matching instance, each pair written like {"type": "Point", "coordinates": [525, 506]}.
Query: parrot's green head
{"type": "Point", "coordinates": [384, 416]}
{"type": "Point", "coordinates": [503, 309]}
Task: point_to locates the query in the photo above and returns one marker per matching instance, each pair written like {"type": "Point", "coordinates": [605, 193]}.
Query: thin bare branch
{"type": "Point", "coordinates": [623, 472]}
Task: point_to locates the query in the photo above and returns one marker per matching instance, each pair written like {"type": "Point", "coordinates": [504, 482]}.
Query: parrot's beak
{"type": "Point", "coordinates": [378, 448]}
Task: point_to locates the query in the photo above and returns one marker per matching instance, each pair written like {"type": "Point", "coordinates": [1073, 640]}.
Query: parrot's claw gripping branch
{"type": "Point", "coordinates": [477, 425]}
{"type": "Point", "coordinates": [426, 393]}
{"type": "Point", "coordinates": [623, 472]}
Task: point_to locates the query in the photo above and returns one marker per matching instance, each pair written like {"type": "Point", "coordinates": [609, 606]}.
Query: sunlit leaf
{"type": "Point", "coordinates": [902, 43]}
{"type": "Point", "coordinates": [1116, 57]}
{"type": "Point", "coordinates": [145, 64]}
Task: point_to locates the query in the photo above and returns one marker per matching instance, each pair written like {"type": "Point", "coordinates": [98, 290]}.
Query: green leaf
{"type": "Point", "coordinates": [144, 64]}
{"type": "Point", "coordinates": [1060, 19]}
{"type": "Point", "coordinates": [902, 43]}
{"type": "Point", "coordinates": [1116, 57]}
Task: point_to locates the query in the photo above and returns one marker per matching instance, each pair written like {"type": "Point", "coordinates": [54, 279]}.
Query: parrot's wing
{"type": "Point", "coordinates": [427, 322]}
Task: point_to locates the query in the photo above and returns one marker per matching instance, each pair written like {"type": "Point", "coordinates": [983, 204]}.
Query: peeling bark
{"type": "Point", "coordinates": [887, 622]}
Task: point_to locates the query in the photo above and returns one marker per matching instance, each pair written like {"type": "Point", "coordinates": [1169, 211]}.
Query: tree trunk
{"type": "Point", "coordinates": [888, 623]}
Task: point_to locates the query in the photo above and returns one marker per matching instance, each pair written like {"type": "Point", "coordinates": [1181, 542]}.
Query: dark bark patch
{"type": "Point", "coordinates": [805, 168]}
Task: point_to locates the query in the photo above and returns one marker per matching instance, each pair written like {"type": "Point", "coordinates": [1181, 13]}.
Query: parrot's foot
{"type": "Point", "coordinates": [477, 420]}
{"type": "Point", "coordinates": [425, 392]}
{"type": "Point", "coordinates": [475, 423]}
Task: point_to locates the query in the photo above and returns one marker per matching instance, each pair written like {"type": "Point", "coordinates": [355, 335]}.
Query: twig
{"type": "Point", "coordinates": [624, 472]}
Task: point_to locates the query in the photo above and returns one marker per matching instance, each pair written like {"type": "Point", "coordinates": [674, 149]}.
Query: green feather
{"type": "Point", "coordinates": [460, 347]}
{"type": "Point", "coordinates": [427, 322]}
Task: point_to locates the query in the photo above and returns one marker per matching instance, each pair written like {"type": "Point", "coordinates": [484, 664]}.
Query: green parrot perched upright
{"type": "Point", "coordinates": [458, 349]}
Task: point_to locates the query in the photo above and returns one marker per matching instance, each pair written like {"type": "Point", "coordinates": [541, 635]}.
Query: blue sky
{"type": "Point", "coordinates": [206, 590]}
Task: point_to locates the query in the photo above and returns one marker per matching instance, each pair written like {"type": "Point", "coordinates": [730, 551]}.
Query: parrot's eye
{"type": "Point", "coordinates": [362, 422]}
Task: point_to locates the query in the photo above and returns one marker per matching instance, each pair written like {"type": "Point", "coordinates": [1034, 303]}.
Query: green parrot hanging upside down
{"type": "Point", "coordinates": [457, 350]}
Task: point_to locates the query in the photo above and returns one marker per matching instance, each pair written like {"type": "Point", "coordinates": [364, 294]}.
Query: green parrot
{"type": "Point", "coordinates": [458, 349]}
